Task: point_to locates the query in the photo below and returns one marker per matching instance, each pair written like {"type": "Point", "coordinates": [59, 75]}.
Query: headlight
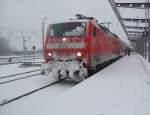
{"type": "Point", "coordinates": [79, 54]}
{"type": "Point", "coordinates": [64, 39]}
{"type": "Point", "coordinates": [49, 54]}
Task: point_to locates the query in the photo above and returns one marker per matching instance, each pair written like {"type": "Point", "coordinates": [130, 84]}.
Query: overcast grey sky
{"type": "Point", "coordinates": [26, 16]}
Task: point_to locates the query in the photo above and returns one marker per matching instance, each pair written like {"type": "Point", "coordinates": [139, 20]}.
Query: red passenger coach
{"type": "Point", "coordinates": [74, 47]}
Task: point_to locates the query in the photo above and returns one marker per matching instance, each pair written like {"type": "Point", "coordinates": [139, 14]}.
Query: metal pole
{"type": "Point", "coordinates": [23, 43]}
{"type": "Point", "coordinates": [145, 36]}
{"type": "Point", "coordinates": [43, 35]}
{"type": "Point", "coordinates": [148, 33]}
{"type": "Point", "coordinates": [148, 38]}
{"type": "Point", "coordinates": [138, 37]}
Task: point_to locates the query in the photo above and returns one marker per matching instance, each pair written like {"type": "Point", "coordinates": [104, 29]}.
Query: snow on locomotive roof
{"type": "Point", "coordinates": [71, 20]}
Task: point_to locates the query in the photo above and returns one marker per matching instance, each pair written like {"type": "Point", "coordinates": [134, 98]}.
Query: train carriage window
{"type": "Point", "coordinates": [94, 31]}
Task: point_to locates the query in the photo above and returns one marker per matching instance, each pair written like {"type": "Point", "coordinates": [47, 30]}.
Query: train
{"type": "Point", "coordinates": [77, 46]}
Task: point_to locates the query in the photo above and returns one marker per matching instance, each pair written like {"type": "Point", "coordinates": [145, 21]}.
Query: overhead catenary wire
{"type": "Point", "coordinates": [37, 9]}
{"type": "Point", "coordinates": [48, 2]}
{"type": "Point", "coordinates": [88, 6]}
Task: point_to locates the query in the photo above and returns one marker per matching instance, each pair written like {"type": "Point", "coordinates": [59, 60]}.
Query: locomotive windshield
{"type": "Point", "coordinates": [67, 29]}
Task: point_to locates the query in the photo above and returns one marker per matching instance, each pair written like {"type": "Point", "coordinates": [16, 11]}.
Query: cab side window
{"type": "Point", "coordinates": [94, 31]}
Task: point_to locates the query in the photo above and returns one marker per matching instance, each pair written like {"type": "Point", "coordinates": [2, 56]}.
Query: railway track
{"type": "Point", "coordinates": [30, 92]}
{"type": "Point", "coordinates": [7, 63]}
{"type": "Point", "coordinates": [19, 76]}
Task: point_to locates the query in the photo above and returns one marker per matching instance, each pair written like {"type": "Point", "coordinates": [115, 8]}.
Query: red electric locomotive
{"type": "Point", "coordinates": [74, 47]}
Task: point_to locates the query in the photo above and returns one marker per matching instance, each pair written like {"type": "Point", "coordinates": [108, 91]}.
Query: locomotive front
{"type": "Point", "coordinates": [65, 51]}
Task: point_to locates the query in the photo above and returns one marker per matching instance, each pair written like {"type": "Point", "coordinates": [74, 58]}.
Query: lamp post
{"type": "Point", "coordinates": [33, 47]}
{"type": "Point", "coordinates": [43, 35]}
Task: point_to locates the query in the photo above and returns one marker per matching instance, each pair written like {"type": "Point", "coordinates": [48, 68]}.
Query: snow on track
{"type": "Point", "coordinates": [15, 77]}
{"type": "Point", "coordinates": [16, 88]}
{"type": "Point", "coordinates": [14, 69]}
{"type": "Point", "coordinates": [33, 104]}
{"type": "Point", "coordinates": [30, 92]}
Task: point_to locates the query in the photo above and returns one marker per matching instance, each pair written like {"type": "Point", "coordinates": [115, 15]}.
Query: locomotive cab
{"type": "Point", "coordinates": [65, 50]}
{"type": "Point", "coordinates": [65, 41]}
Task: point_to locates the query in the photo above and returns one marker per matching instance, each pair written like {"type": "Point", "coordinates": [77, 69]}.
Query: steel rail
{"type": "Point", "coordinates": [19, 78]}
{"type": "Point", "coordinates": [29, 93]}
{"type": "Point", "coordinates": [19, 74]}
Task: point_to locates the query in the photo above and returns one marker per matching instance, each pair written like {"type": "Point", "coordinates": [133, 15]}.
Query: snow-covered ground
{"type": "Point", "coordinates": [14, 69]}
{"type": "Point", "coordinates": [38, 58]}
{"type": "Point", "coordinates": [16, 88]}
{"type": "Point", "coordinates": [123, 88]}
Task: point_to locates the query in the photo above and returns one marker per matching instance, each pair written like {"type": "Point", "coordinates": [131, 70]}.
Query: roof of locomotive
{"type": "Point", "coordinates": [71, 20]}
